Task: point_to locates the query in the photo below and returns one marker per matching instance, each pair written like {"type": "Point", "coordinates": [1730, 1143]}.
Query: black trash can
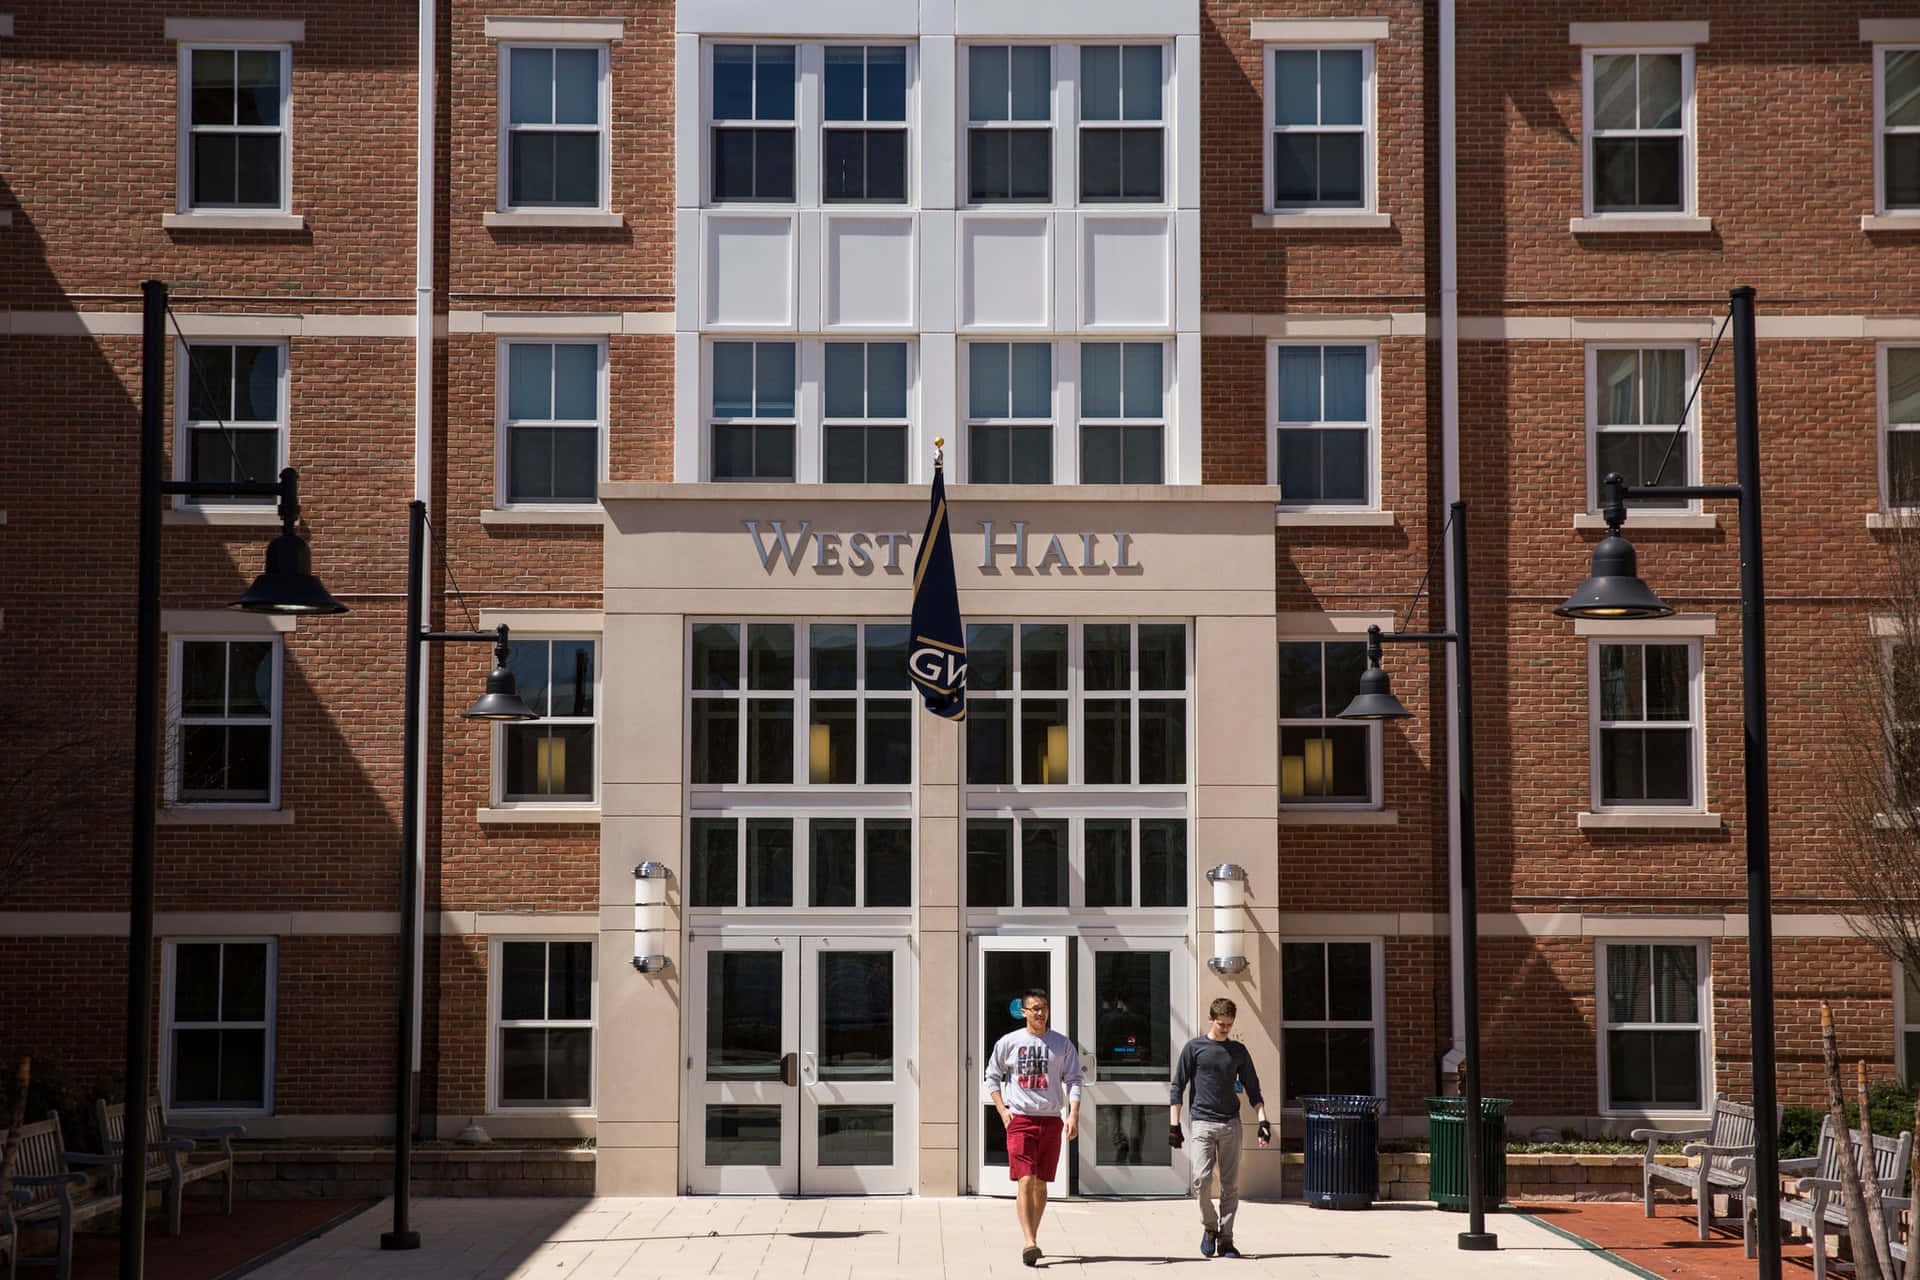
{"type": "Point", "coordinates": [1343, 1150]}
{"type": "Point", "coordinates": [1447, 1142]}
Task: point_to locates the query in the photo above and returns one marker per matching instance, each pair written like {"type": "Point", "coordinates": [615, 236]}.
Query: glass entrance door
{"type": "Point", "coordinates": [1135, 1014]}
{"type": "Point", "coordinates": [799, 1066]}
{"type": "Point", "coordinates": [1005, 967]}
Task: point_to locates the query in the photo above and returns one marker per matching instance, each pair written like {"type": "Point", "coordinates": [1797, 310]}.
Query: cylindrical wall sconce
{"type": "Point", "coordinates": [1229, 918]}
{"type": "Point", "coordinates": [650, 916]}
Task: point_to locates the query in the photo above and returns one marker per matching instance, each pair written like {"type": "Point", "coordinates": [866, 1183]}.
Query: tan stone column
{"type": "Point", "coordinates": [941, 1011]}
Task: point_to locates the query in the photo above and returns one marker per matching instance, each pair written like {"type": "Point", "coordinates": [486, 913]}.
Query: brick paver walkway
{"type": "Point", "coordinates": [1666, 1245]}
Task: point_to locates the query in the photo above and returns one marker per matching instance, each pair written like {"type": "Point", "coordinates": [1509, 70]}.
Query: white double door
{"type": "Point", "coordinates": [1126, 1003]}
{"type": "Point", "coordinates": [799, 1066]}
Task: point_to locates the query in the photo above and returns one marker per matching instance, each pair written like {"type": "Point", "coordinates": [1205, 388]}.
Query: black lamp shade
{"type": "Point", "coordinates": [1375, 701]}
{"type": "Point", "coordinates": [288, 585]}
{"type": "Point", "coordinates": [1614, 589]}
{"type": "Point", "coordinates": [502, 700]}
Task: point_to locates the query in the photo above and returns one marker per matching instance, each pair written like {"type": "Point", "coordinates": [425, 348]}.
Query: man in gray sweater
{"type": "Point", "coordinates": [1031, 1074]}
{"type": "Point", "coordinates": [1210, 1065]}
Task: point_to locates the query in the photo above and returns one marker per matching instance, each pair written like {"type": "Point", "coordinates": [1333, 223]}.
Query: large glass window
{"type": "Point", "coordinates": [752, 125]}
{"type": "Point", "coordinates": [1645, 726]}
{"type": "Point", "coordinates": [552, 759]}
{"type": "Point", "coordinates": [864, 432]}
{"type": "Point", "coordinates": [545, 1023]}
{"type": "Point", "coordinates": [1069, 862]}
{"type": "Point", "coordinates": [236, 146]}
{"type": "Point", "coordinates": [553, 421]}
{"type": "Point", "coordinates": [753, 419]}
{"type": "Point", "coordinates": [1637, 113]}
{"type": "Point", "coordinates": [1009, 123]}
{"type": "Point", "coordinates": [233, 397]}
{"type": "Point", "coordinates": [1010, 412]}
{"type": "Point", "coordinates": [1318, 140]}
{"type": "Point", "coordinates": [1122, 124]}
{"type": "Point", "coordinates": [556, 129]}
{"type": "Point", "coordinates": [864, 141]}
{"type": "Point", "coordinates": [1331, 1024]}
{"type": "Point", "coordinates": [1636, 397]}
{"type": "Point", "coordinates": [1898, 119]}
{"type": "Point", "coordinates": [1123, 413]}
{"type": "Point", "coordinates": [226, 722]}
{"type": "Point", "coordinates": [1325, 760]}
{"type": "Point", "coordinates": [1654, 1029]}
{"type": "Point", "coordinates": [820, 861]}
{"type": "Point", "coordinates": [218, 1035]}
{"type": "Point", "coordinates": [1324, 428]}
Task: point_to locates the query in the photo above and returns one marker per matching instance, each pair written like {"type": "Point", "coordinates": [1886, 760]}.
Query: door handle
{"type": "Point", "coordinates": [812, 1067]}
{"type": "Point", "coordinates": [790, 1070]}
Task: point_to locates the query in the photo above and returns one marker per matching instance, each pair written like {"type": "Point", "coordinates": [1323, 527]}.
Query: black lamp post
{"type": "Point", "coordinates": [1375, 701]}
{"type": "Point", "coordinates": [501, 701]}
{"type": "Point", "coordinates": [287, 586]}
{"type": "Point", "coordinates": [1614, 592]}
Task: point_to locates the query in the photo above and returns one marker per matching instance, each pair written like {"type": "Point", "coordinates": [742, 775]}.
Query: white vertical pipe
{"type": "Point", "coordinates": [1450, 491]}
{"type": "Point", "coordinates": [423, 453]}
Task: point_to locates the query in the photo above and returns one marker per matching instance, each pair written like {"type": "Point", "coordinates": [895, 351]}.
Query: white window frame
{"type": "Point", "coordinates": [809, 394]}
{"type": "Point", "coordinates": [497, 783]}
{"type": "Point", "coordinates": [176, 719]}
{"type": "Point", "coordinates": [1906, 1022]}
{"type": "Point", "coordinates": [1274, 427]}
{"type": "Point", "coordinates": [504, 425]}
{"type": "Point", "coordinates": [1075, 821]}
{"type": "Point", "coordinates": [1688, 131]}
{"type": "Point", "coordinates": [1690, 456]}
{"type": "Point", "coordinates": [1696, 722]}
{"type": "Point", "coordinates": [497, 1024]}
{"type": "Point", "coordinates": [1164, 421]}
{"type": "Point", "coordinates": [184, 129]}
{"type": "Point", "coordinates": [1375, 740]}
{"type": "Point", "coordinates": [168, 1025]}
{"type": "Point", "coordinates": [1368, 128]}
{"type": "Point", "coordinates": [815, 139]}
{"type": "Point", "coordinates": [1060, 471]}
{"type": "Point", "coordinates": [1885, 426]}
{"type": "Point", "coordinates": [1881, 129]}
{"type": "Point", "coordinates": [1703, 1027]}
{"type": "Point", "coordinates": [504, 128]}
{"type": "Point", "coordinates": [867, 420]}
{"type": "Point", "coordinates": [1377, 998]}
{"type": "Point", "coordinates": [802, 814]}
{"type": "Point", "coordinates": [1081, 124]}
{"type": "Point", "coordinates": [185, 427]}
{"type": "Point", "coordinates": [805, 125]}
{"type": "Point", "coordinates": [1058, 136]}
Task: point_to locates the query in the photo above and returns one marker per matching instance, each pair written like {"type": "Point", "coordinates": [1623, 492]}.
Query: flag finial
{"type": "Point", "coordinates": [939, 454]}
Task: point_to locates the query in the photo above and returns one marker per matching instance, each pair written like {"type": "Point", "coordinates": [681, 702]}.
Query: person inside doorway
{"type": "Point", "coordinates": [1032, 1075]}
{"type": "Point", "coordinates": [1211, 1065]}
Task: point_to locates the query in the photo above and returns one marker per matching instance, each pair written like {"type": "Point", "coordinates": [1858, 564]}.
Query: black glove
{"type": "Point", "coordinates": [1265, 1131]}
{"type": "Point", "coordinates": [1174, 1138]}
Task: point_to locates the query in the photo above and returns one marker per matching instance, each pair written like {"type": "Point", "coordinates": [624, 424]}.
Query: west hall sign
{"type": "Point", "coordinates": [841, 552]}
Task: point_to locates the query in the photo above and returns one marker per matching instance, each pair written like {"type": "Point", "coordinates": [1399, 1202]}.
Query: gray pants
{"type": "Point", "coordinates": [1216, 1146]}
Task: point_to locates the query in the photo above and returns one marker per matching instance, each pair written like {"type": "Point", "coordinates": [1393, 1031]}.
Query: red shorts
{"type": "Point", "coordinates": [1033, 1146]}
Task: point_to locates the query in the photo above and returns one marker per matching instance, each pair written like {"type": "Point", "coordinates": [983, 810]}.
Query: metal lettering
{"type": "Point", "coordinates": [990, 549]}
{"type": "Point", "coordinates": [1121, 540]}
{"type": "Point", "coordinates": [857, 544]}
{"type": "Point", "coordinates": [780, 545]}
{"type": "Point", "coordinates": [1086, 556]}
{"type": "Point", "coordinates": [893, 541]}
{"type": "Point", "coordinates": [826, 551]}
{"type": "Point", "coordinates": [1054, 551]}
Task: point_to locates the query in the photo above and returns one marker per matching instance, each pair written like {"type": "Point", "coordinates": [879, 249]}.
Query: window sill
{"type": "Point", "coordinates": [1890, 221]}
{"type": "Point", "coordinates": [1893, 519]}
{"type": "Point", "coordinates": [1653, 520]}
{"type": "Point", "coordinates": [556, 219]}
{"type": "Point", "coordinates": [1334, 519]}
{"type": "Point", "coordinates": [1640, 224]}
{"type": "Point", "coordinates": [234, 222]}
{"type": "Point", "coordinates": [1686, 820]}
{"type": "Point", "coordinates": [586, 815]}
{"type": "Point", "coordinates": [1339, 817]}
{"type": "Point", "coordinates": [210, 816]}
{"type": "Point", "coordinates": [593, 514]}
{"type": "Point", "coordinates": [231, 517]}
{"type": "Point", "coordinates": [1314, 220]}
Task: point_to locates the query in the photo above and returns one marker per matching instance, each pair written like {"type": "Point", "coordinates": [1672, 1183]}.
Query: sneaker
{"type": "Point", "coordinates": [1227, 1250]}
{"type": "Point", "coordinates": [1207, 1243]}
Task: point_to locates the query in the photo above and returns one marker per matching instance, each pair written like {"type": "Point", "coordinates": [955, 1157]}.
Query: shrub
{"type": "Point", "coordinates": [1889, 1106]}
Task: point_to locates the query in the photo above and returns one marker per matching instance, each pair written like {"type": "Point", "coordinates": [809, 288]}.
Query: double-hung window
{"type": "Point", "coordinates": [864, 433]}
{"type": "Point", "coordinates": [752, 126]}
{"type": "Point", "coordinates": [544, 1023]}
{"type": "Point", "coordinates": [554, 421]}
{"type": "Point", "coordinates": [1123, 412]}
{"type": "Point", "coordinates": [1009, 123]}
{"type": "Point", "coordinates": [1332, 1028]}
{"type": "Point", "coordinates": [233, 398]}
{"type": "Point", "coordinates": [1319, 138]}
{"type": "Point", "coordinates": [1122, 123]}
{"type": "Point", "coordinates": [1899, 404]}
{"type": "Point", "coordinates": [1908, 1008]}
{"type": "Point", "coordinates": [226, 721]}
{"type": "Point", "coordinates": [217, 1025]}
{"type": "Point", "coordinates": [753, 422]}
{"type": "Point", "coordinates": [1010, 412]}
{"type": "Point", "coordinates": [554, 105]}
{"type": "Point", "coordinates": [235, 152]}
{"type": "Point", "coordinates": [1654, 1047]}
{"type": "Point", "coordinates": [1646, 724]}
{"type": "Point", "coordinates": [1323, 446]}
{"type": "Point", "coordinates": [1896, 101]}
{"type": "Point", "coordinates": [1639, 119]}
{"type": "Point", "coordinates": [1635, 399]}
{"type": "Point", "coordinates": [863, 150]}
{"type": "Point", "coordinates": [552, 760]}
{"type": "Point", "coordinates": [1325, 760]}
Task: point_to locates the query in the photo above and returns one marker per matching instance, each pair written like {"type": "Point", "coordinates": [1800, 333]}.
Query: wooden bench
{"type": "Point", "coordinates": [50, 1191]}
{"type": "Point", "coordinates": [1730, 1135]}
{"type": "Point", "coordinates": [1823, 1205]}
{"type": "Point", "coordinates": [168, 1149]}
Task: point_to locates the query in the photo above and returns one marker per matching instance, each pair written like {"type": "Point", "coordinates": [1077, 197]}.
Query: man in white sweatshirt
{"type": "Point", "coordinates": [1031, 1074]}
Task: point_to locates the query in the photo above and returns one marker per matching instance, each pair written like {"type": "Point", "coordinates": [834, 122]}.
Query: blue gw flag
{"type": "Point", "coordinates": [937, 657]}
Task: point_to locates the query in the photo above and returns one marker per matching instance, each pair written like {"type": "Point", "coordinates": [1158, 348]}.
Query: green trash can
{"type": "Point", "coordinates": [1447, 1142]}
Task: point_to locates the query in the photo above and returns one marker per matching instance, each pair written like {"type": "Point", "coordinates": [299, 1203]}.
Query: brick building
{"type": "Point", "coordinates": [1218, 306]}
